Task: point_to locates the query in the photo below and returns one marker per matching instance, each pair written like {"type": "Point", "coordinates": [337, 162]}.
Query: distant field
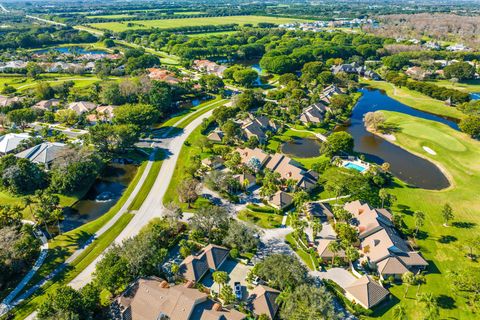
{"type": "Point", "coordinates": [112, 16]}
{"type": "Point", "coordinates": [188, 12]}
{"type": "Point", "coordinates": [173, 23]}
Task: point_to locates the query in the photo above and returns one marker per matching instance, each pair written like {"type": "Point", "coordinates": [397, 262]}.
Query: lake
{"type": "Point", "coordinates": [406, 166]}
{"type": "Point", "coordinates": [71, 50]}
{"type": "Point", "coordinates": [302, 148]}
{"type": "Point", "coordinates": [103, 195]}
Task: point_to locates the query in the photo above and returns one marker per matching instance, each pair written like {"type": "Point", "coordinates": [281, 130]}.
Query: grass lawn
{"type": "Point", "coordinates": [443, 247]}
{"type": "Point", "coordinates": [305, 256]}
{"type": "Point", "coordinates": [260, 219]}
{"type": "Point", "coordinates": [468, 85]}
{"type": "Point", "coordinates": [415, 99]}
{"type": "Point", "coordinates": [149, 181]}
{"type": "Point", "coordinates": [209, 34]}
{"type": "Point", "coordinates": [22, 83]}
{"type": "Point", "coordinates": [175, 23]}
{"type": "Point", "coordinates": [112, 16]}
{"type": "Point", "coordinates": [91, 253]}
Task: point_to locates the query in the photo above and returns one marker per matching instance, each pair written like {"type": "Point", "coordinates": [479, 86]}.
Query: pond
{"type": "Point", "coordinates": [409, 168]}
{"type": "Point", "coordinates": [475, 95]}
{"type": "Point", "coordinates": [302, 147]}
{"type": "Point", "coordinates": [254, 65]}
{"type": "Point", "coordinates": [103, 195]}
{"type": "Point", "coordinates": [71, 50]}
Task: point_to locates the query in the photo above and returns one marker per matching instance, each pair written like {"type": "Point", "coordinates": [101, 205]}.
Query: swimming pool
{"type": "Point", "coordinates": [351, 165]}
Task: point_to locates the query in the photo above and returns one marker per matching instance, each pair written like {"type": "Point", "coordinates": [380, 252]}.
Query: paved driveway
{"type": "Point", "coordinates": [236, 271]}
{"type": "Point", "coordinates": [340, 276]}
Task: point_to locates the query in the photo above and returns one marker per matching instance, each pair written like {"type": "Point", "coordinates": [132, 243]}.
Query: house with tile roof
{"type": "Point", "coordinates": [314, 114]}
{"type": "Point", "coordinates": [102, 114]}
{"type": "Point", "coordinates": [11, 141]}
{"type": "Point", "coordinates": [81, 107]}
{"type": "Point", "coordinates": [263, 301]}
{"type": "Point", "coordinates": [44, 153]}
{"type": "Point", "coordinates": [325, 253]}
{"type": "Point", "coordinates": [153, 298]}
{"type": "Point", "coordinates": [280, 200]}
{"type": "Point", "coordinates": [9, 101]}
{"type": "Point", "coordinates": [366, 292]}
{"type": "Point", "coordinates": [47, 105]}
{"type": "Point", "coordinates": [195, 267]}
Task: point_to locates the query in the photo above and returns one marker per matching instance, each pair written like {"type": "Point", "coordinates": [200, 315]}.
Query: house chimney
{"type": "Point", "coordinates": [217, 307]}
{"type": "Point", "coordinates": [189, 284]}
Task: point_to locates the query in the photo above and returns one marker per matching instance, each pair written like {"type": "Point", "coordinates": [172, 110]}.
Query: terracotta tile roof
{"type": "Point", "coordinates": [281, 199]}
{"type": "Point", "coordinates": [325, 252]}
{"type": "Point", "coordinates": [382, 244]}
{"type": "Point", "coordinates": [391, 266]}
{"type": "Point", "coordinates": [247, 154]}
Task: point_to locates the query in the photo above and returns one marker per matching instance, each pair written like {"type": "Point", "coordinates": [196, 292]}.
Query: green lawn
{"type": "Point", "coordinates": [112, 16]}
{"type": "Point", "coordinates": [260, 219]}
{"type": "Point", "coordinates": [175, 23]}
{"type": "Point", "coordinates": [442, 246]}
{"type": "Point", "coordinates": [468, 85]}
{"type": "Point", "coordinates": [149, 181]}
{"type": "Point", "coordinates": [415, 99]}
{"type": "Point", "coordinates": [305, 256]}
{"type": "Point", "coordinates": [23, 83]}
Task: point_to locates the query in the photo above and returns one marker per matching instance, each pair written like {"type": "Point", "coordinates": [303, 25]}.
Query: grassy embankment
{"type": "Point", "coordinates": [120, 26]}
{"type": "Point", "coordinates": [415, 99]}
{"type": "Point", "coordinates": [261, 216]}
{"type": "Point", "coordinates": [467, 86]}
{"type": "Point", "coordinates": [444, 247]}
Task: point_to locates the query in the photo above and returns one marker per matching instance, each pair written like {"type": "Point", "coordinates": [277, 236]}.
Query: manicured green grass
{"type": "Point", "coordinates": [23, 83]}
{"type": "Point", "coordinates": [209, 34]}
{"type": "Point", "coordinates": [260, 219]}
{"type": "Point", "coordinates": [113, 16]}
{"type": "Point", "coordinates": [305, 256]}
{"type": "Point", "coordinates": [415, 99]}
{"type": "Point", "coordinates": [64, 245]}
{"type": "Point", "coordinates": [468, 85]}
{"type": "Point", "coordinates": [75, 268]}
{"type": "Point", "coordinates": [175, 23]}
{"type": "Point", "coordinates": [443, 247]}
{"type": "Point", "coordinates": [148, 183]}
{"type": "Point", "coordinates": [204, 110]}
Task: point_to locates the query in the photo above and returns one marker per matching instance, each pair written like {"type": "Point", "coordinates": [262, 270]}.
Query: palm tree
{"type": "Point", "coordinates": [419, 280]}
{"type": "Point", "coordinates": [383, 194]}
{"type": "Point", "coordinates": [220, 277]}
{"type": "Point", "coordinates": [408, 278]}
{"type": "Point", "coordinates": [317, 227]}
{"type": "Point", "coordinates": [431, 306]}
{"type": "Point", "coordinates": [299, 198]}
{"type": "Point", "coordinates": [28, 201]}
{"type": "Point", "coordinates": [57, 215]}
{"type": "Point", "coordinates": [447, 214]}
{"type": "Point", "coordinates": [352, 254]}
{"type": "Point", "coordinates": [419, 218]}
{"type": "Point", "coordinates": [334, 247]}
{"type": "Point", "coordinates": [399, 313]}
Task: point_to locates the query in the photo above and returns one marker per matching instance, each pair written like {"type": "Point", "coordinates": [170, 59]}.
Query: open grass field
{"type": "Point", "coordinates": [175, 23]}
{"type": "Point", "coordinates": [444, 247]}
{"type": "Point", "coordinates": [415, 99]}
{"type": "Point", "coordinates": [22, 83]}
{"type": "Point", "coordinates": [112, 16]}
{"type": "Point", "coordinates": [261, 219]}
{"type": "Point", "coordinates": [467, 86]}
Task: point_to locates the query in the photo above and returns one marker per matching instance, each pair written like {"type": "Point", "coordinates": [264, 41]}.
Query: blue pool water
{"type": "Point", "coordinates": [72, 50]}
{"type": "Point", "coordinates": [475, 95]}
{"type": "Point", "coordinates": [351, 165]}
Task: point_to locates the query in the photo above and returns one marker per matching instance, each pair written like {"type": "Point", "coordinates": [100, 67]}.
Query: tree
{"type": "Point", "coordinates": [338, 142]}
{"type": "Point", "coordinates": [459, 70]}
{"type": "Point", "coordinates": [431, 306]}
{"type": "Point", "coordinates": [395, 62]}
{"type": "Point", "coordinates": [447, 213]}
{"type": "Point", "coordinates": [245, 77]}
{"type": "Point", "coordinates": [64, 303]}
{"type": "Point", "coordinates": [419, 220]}
{"type": "Point", "coordinates": [352, 254]}
{"type": "Point", "coordinates": [242, 237]}
{"type": "Point", "coordinates": [335, 247]}
{"type": "Point", "coordinates": [281, 271]}
{"type": "Point", "coordinates": [22, 117]}
{"type": "Point", "coordinates": [212, 83]}
{"type": "Point", "coordinates": [33, 70]}
{"type": "Point", "coordinates": [188, 191]}
{"type": "Point", "coordinates": [341, 214]}
{"type": "Point", "coordinates": [173, 213]}
{"type": "Point", "coordinates": [317, 227]}
{"type": "Point", "coordinates": [384, 195]}
{"type": "Point", "coordinates": [109, 43]}
{"type": "Point", "coordinates": [203, 143]}
{"type": "Point", "coordinates": [346, 233]}
{"type": "Point", "coordinates": [471, 125]}
{"type": "Point", "coordinates": [309, 302]}
{"type": "Point", "coordinates": [141, 115]}
{"type": "Point", "coordinates": [221, 278]}
{"type": "Point", "coordinates": [108, 138]}
{"type": "Point", "coordinates": [10, 215]}
{"type": "Point", "coordinates": [248, 99]}
{"type": "Point", "coordinates": [399, 312]}
{"type": "Point", "coordinates": [21, 176]}
{"type": "Point", "coordinates": [43, 91]}
{"type": "Point", "coordinates": [211, 221]}
{"type": "Point", "coordinates": [299, 199]}
{"type": "Point", "coordinates": [227, 295]}
{"type": "Point", "coordinates": [408, 279]}
{"type": "Point", "coordinates": [111, 94]}
{"type": "Point", "coordinates": [419, 280]}
{"type": "Point", "coordinates": [66, 116]}
{"type": "Point", "coordinates": [374, 120]}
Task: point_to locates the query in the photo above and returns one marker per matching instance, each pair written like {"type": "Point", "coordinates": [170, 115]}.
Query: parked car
{"type": "Point", "coordinates": [238, 290]}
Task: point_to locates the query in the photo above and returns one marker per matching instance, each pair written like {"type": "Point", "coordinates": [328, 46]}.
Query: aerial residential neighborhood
{"type": "Point", "coordinates": [230, 160]}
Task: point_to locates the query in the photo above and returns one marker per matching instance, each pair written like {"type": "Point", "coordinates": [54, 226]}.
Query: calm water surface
{"type": "Point", "coordinates": [411, 169]}
{"type": "Point", "coordinates": [302, 148]}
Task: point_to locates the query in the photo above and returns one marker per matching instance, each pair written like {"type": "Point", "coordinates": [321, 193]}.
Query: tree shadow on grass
{"type": "Point", "coordinates": [405, 209]}
{"type": "Point", "coordinates": [445, 239]}
{"type": "Point", "coordinates": [446, 302]}
{"type": "Point", "coordinates": [432, 268]}
{"type": "Point", "coordinates": [463, 224]}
